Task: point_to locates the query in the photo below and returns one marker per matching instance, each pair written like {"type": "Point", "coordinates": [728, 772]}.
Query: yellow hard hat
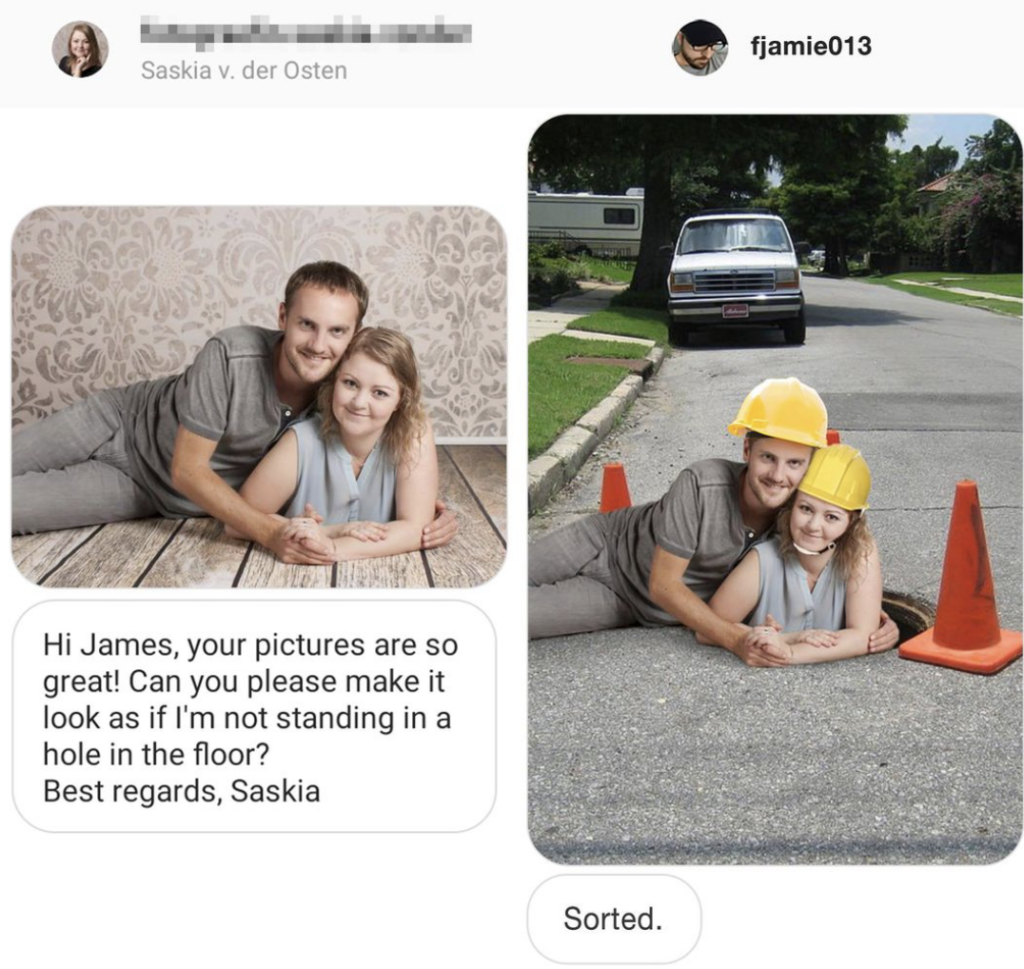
{"type": "Point", "coordinates": [840, 476]}
{"type": "Point", "coordinates": [783, 408]}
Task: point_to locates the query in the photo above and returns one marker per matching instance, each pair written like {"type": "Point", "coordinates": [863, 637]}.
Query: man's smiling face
{"type": "Point", "coordinates": [317, 329]}
{"type": "Point", "coordinates": [774, 469]}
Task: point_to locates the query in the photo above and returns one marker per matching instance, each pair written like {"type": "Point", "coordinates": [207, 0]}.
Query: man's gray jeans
{"type": "Point", "coordinates": [571, 589]}
{"type": "Point", "coordinates": [72, 469]}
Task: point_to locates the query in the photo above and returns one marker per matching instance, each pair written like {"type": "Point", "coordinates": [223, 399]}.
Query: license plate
{"type": "Point", "coordinates": [735, 311]}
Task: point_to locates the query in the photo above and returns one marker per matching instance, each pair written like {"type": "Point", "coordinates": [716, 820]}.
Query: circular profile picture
{"type": "Point", "coordinates": [700, 47]}
{"type": "Point", "coordinates": [80, 49]}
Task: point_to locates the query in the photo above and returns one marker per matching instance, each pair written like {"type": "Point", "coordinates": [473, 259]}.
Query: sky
{"type": "Point", "coordinates": [925, 129]}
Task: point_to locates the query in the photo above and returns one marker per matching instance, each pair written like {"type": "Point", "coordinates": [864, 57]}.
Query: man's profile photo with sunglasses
{"type": "Point", "coordinates": [700, 47]}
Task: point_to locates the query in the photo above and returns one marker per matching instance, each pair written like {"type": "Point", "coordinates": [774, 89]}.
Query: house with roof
{"type": "Point", "coordinates": [929, 197]}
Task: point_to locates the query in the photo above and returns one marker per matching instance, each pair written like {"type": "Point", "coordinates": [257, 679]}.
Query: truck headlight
{"type": "Point", "coordinates": [680, 282]}
{"type": "Point", "coordinates": [787, 278]}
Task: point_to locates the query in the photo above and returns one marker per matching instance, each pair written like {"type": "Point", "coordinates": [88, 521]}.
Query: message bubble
{"type": "Point", "coordinates": [262, 716]}
{"type": "Point", "coordinates": [614, 919]}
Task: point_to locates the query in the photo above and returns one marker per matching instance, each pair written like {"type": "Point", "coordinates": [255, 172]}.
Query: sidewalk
{"type": "Point", "coordinates": [556, 467]}
{"type": "Point", "coordinates": [555, 318]}
{"type": "Point", "coordinates": [976, 293]}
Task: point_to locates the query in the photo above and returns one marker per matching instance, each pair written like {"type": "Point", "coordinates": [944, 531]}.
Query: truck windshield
{"type": "Point", "coordinates": [725, 235]}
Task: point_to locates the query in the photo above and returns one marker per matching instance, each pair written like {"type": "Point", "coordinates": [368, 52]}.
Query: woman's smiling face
{"type": "Point", "coordinates": [366, 394]}
{"type": "Point", "coordinates": [80, 46]}
{"type": "Point", "coordinates": [814, 523]}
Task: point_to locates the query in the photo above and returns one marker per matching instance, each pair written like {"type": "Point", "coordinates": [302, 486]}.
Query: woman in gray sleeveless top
{"type": "Point", "coordinates": [811, 593]}
{"type": "Point", "coordinates": [362, 474]}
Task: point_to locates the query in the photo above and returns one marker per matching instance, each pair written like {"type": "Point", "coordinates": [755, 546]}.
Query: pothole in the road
{"type": "Point", "coordinates": [911, 615]}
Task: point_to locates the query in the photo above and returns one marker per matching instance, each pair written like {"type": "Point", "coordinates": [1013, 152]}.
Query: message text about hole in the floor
{"type": "Point", "coordinates": [268, 716]}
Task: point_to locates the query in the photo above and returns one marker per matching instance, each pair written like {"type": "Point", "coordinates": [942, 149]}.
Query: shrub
{"type": "Point", "coordinates": [980, 222]}
{"type": "Point", "coordinates": [548, 281]}
{"type": "Point", "coordinates": [552, 249]}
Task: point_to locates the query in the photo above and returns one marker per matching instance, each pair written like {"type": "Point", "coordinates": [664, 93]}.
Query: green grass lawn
{"type": "Point", "coordinates": [945, 296]}
{"type": "Point", "coordinates": [647, 324]}
{"type": "Point", "coordinates": [606, 270]}
{"type": "Point", "coordinates": [1002, 284]}
{"type": "Point", "coordinates": [562, 392]}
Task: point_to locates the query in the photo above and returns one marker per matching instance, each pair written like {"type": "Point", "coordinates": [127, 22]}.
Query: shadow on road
{"type": "Point", "coordinates": [733, 336]}
{"type": "Point", "coordinates": [838, 315]}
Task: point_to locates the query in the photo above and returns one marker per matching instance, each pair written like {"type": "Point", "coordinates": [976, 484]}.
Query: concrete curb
{"type": "Point", "coordinates": [557, 466]}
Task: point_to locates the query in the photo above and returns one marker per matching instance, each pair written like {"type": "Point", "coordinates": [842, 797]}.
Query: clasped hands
{"type": "Point", "coordinates": [765, 645]}
{"type": "Point", "coordinates": [302, 540]}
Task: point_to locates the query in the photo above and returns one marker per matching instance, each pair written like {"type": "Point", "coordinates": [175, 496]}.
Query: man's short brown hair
{"type": "Point", "coordinates": [332, 276]}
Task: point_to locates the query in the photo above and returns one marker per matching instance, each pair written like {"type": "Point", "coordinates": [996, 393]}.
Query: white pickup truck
{"type": "Point", "coordinates": [735, 267]}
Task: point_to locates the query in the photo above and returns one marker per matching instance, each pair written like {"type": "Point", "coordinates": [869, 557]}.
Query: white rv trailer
{"type": "Point", "coordinates": [601, 224]}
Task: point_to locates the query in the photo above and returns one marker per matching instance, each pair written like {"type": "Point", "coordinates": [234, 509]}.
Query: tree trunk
{"type": "Point", "coordinates": [658, 230]}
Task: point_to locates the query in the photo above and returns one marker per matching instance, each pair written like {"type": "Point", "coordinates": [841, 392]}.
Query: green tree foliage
{"type": "Point", "coordinates": [586, 154]}
{"type": "Point", "coordinates": [925, 165]}
{"type": "Point", "coordinates": [684, 164]}
{"type": "Point", "coordinates": [980, 223]}
{"type": "Point", "coordinates": [998, 150]}
{"type": "Point", "coordinates": [900, 226]}
{"type": "Point", "coordinates": [835, 171]}
{"type": "Point", "coordinates": [836, 179]}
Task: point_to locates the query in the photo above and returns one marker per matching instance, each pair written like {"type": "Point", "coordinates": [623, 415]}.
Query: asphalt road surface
{"type": "Point", "coordinates": [647, 748]}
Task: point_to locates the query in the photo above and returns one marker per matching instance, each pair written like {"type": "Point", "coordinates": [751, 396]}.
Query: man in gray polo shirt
{"type": "Point", "coordinates": [181, 446]}
{"type": "Point", "coordinates": [659, 563]}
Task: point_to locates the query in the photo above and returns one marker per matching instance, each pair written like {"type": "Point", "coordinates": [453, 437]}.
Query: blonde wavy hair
{"type": "Point", "coordinates": [852, 548]}
{"type": "Point", "coordinates": [409, 421]}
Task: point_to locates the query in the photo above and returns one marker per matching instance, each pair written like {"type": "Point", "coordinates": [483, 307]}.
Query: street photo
{"type": "Point", "coordinates": [254, 397]}
{"type": "Point", "coordinates": [775, 478]}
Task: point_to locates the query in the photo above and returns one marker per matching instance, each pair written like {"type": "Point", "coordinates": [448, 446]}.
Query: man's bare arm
{"type": "Point", "coordinates": [885, 636]}
{"type": "Point", "coordinates": [669, 592]}
{"type": "Point", "coordinates": [441, 529]}
{"type": "Point", "coordinates": [192, 475]}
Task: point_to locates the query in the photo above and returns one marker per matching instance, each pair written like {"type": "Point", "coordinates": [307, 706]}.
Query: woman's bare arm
{"type": "Point", "coordinates": [734, 600]}
{"type": "Point", "coordinates": [415, 494]}
{"type": "Point", "coordinates": [270, 485]}
{"type": "Point", "coordinates": [863, 604]}
{"type": "Point", "coordinates": [274, 479]}
{"type": "Point", "coordinates": [736, 597]}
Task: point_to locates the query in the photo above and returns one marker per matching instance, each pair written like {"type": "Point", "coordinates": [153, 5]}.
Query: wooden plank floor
{"type": "Point", "coordinates": [160, 553]}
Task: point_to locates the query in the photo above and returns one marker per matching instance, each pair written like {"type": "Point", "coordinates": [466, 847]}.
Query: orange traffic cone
{"type": "Point", "coordinates": [966, 634]}
{"type": "Point", "coordinates": [614, 490]}
{"type": "Point", "coordinates": [832, 437]}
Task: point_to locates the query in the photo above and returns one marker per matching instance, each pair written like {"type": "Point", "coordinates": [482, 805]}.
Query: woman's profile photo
{"type": "Point", "coordinates": [700, 47]}
{"type": "Point", "coordinates": [80, 49]}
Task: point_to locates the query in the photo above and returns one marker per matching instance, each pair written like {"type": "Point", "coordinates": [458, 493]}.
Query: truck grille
{"type": "Point", "coordinates": [744, 281]}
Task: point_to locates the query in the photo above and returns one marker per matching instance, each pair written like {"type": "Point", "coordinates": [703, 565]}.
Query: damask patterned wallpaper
{"type": "Point", "coordinates": [104, 297]}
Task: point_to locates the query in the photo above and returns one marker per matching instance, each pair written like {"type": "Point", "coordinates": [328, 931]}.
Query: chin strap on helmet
{"type": "Point", "coordinates": [821, 551]}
